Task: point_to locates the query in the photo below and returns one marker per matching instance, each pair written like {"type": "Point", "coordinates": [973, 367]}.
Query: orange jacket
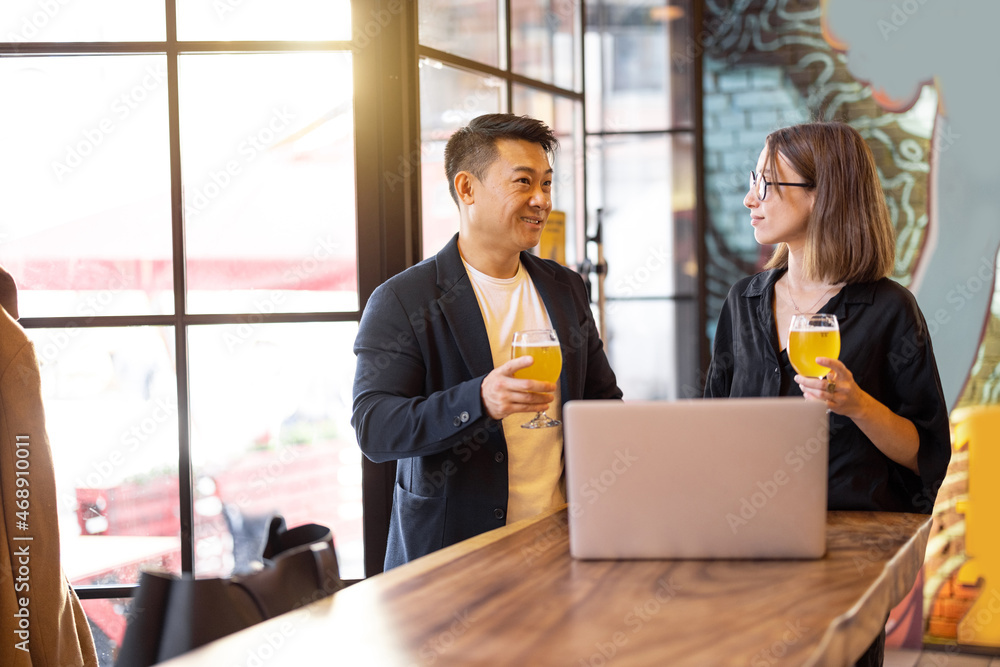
{"type": "Point", "coordinates": [42, 623]}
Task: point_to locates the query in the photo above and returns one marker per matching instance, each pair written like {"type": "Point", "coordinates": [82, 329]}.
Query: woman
{"type": "Point", "coordinates": [816, 196]}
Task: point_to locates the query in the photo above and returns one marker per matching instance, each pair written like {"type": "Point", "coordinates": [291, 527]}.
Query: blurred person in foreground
{"type": "Point", "coordinates": [816, 196]}
{"type": "Point", "coordinates": [434, 387]}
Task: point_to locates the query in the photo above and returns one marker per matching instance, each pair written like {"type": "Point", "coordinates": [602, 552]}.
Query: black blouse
{"type": "Point", "coordinates": [886, 346]}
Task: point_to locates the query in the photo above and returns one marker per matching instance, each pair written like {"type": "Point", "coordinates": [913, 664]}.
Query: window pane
{"type": "Point", "coordinates": [545, 41]}
{"type": "Point", "coordinates": [82, 20]}
{"type": "Point", "coordinates": [449, 99]}
{"type": "Point", "coordinates": [650, 346]}
{"type": "Point", "coordinates": [644, 185]}
{"type": "Point", "coordinates": [564, 116]}
{"type": "Point", "coordinates": [471, 29]}
{"type": "Point", "coordinates": [271, 433]}
{"type": "Point", "coordinates": [635, 200]}
{"type": "Point", "coordinates": [635, 51]}
{"type": "Point", "coordinates": [107, 618]}
{"type": "Point", "coordinates": [267, 145]}
{"type": "Point", "coordinates": [111, 417]}
{"type": "Point", "coordinates": [646, 192]}
{"type": "Point", "coordinates": [85, 206]}
{"type": "Point", "coordinates": [684, 51]}
{"type": "Point", "coordinates": [264, 19]}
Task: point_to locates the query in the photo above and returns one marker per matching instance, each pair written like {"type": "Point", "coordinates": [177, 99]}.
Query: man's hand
{"type": "Point", "coordinates": [504, 395]}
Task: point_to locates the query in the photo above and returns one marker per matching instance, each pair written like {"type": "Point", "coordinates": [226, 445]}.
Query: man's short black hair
{"type": "Point", "coordinates": [473, 148]}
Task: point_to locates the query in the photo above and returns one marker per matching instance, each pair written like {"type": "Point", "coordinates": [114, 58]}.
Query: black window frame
{"type": "Point", "coordinates": [386, 56]}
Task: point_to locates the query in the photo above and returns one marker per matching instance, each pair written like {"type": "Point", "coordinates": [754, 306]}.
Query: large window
{"type": "Point", "coordinates": [180, 214]}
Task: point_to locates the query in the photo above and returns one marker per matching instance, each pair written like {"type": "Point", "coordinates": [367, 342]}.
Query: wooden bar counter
{"type": "Point", "coordinates": [514, 596]}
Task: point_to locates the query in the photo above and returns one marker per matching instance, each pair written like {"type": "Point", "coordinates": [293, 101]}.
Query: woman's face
{"type": "Point", "coordinates": [780, 217]}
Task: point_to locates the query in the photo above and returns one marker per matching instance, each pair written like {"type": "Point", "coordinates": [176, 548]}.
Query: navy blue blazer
{"type": "Point", "coordinates": [422, 353]}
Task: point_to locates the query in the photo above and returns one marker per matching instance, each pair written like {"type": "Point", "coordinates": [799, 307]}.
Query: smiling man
{"type": "Point", "coordinates": [435, 389]}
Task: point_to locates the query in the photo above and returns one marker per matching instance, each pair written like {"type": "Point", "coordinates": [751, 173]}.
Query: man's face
{"type": "Point", "coordinates": [511, 204]}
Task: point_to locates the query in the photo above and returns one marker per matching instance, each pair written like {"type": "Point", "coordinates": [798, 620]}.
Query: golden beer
{"type": "Point", "coordinates": [547, 365]}
{"type": "Point", "coordinates": [805, 346]}
{"type": "Point", "coordinates": [542, 346]}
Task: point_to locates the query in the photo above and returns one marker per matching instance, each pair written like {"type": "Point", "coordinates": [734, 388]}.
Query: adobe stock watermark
{"type": "Point", "coordinates": [223, 8]}
{"type": "Point", "coordinates": [879, 547]}
{"type": "Point", "coordinates": [900, 15]}
{"type": "Point", "coordinates": [323, 250]}
{"type": "Point", "coordinates": [656, 260]}
{"type": "Point", "coordinates": [559, 11]}
{"type": "Point", "coordinates": [981, 277]}
{"type": "Point", "coordinates": [32, 25]}
{"type": "Point", "coordinates": [428, 483]}
{"type": "Point", "coordinates": [940, 658]}
{"type": "Point", "coordinates": [767, 489]}
{"type": "Point", "coordinates": [555, 533]}
{"type": "Point", "coordinates": [372, 364]}
{"type": "Point", "coordinates": [122, 107]}
{"type": "Point", "coordinates": [260, 480]}
{"type": "Point", "coordinates": [943, 141]}
{"type": "Point", "coordinates": [244, 331]}
{"type": "Point", "coordinates": [590, 491]}
{"type": "Point", "coordinates": [707, 38]}
{"type": "Point", "coordinates": [272, 641]}
{"type": "Point", "coordinates": [457, 115]}
{"type": "Point", "coordinates": [60, 339]}
{"type": "Point", "coordinates": [633, 621]}
{"type": "Point", "coordinates": [984, 614]}
{"type": "Point", "coordinates": [442, 642]}
{"type": "Point", "coordinates": [198, 198]}
{"type": "Point", "coordinates": [595, 487]}
{"type": "Point", "coordinates": [792, 635]}
{"type": "Point", "coordinates": [20, 555]}
{"type": "Point", "coordinates": [104, 469]}
{"type": "Point", "coordinates": [405, 167]}
{"type": "Point", "coordinates": [377, 22]}
{"type": "Point", "coordinates": [472, 103]}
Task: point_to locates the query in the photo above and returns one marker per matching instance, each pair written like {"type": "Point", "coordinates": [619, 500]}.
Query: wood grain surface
{"type": "Point", "coordinates": [514, 596]}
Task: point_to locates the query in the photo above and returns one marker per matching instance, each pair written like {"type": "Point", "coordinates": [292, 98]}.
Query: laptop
{"type": "Point", "coordinates": [703, 478]}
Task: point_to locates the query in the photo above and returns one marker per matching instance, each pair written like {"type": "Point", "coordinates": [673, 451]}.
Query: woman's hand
{"type": "Point", "coordinates": [837, 389]}
{"type": "Point", "coordinates": [896, 436]}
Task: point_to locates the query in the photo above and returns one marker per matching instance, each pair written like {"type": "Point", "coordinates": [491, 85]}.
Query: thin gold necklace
{"type": "Point", "coordinates": [788, 291]}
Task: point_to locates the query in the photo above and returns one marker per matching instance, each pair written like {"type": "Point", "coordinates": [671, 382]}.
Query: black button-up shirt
{"type": "Point", "coordinates": [886, 346]}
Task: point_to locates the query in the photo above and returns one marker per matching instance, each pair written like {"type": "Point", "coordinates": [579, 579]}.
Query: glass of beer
{"type": "Point", "coordinates": [543, 346]}
{"type": "Point", "coordinates": [813, 335]}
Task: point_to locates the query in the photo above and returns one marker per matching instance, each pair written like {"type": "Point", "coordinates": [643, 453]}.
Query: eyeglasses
{"type": "Point", "coordinates": [759, 185]}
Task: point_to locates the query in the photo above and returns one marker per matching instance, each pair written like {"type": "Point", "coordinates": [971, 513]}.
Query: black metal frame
{"type": "Point", "coordinates": [383, 216]}
{"type": "Point", "coordinates": [388, 218]}
{"type": "Point", "coordinates": [695, 130]}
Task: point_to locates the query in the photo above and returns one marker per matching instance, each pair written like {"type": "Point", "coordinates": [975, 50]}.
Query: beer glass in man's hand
{"type": "Point", "coordinates": [542, 345]}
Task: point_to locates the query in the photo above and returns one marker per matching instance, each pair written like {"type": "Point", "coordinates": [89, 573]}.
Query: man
{"type": "Point", "coordinates": [435, 387]}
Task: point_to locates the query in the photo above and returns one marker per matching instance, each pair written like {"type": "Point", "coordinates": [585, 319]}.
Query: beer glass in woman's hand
{"type": "Point", "coordinates": [813, 335]}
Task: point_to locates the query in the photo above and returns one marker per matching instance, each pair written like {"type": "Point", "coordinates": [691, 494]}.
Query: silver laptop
{"type": "Point", "coordinates": [702, 478]}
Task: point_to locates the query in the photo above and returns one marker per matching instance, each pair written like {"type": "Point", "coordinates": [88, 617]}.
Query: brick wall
{"type": "Point", "coordinates": [945, 600]}
{"type": "Point", "coordinates": [742, 105]}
